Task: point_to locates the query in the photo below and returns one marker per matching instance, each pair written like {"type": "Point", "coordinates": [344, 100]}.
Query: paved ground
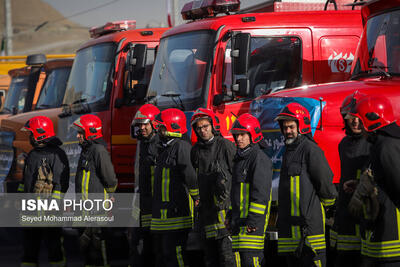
{"type": "Point", "coordinates": [11, 248]}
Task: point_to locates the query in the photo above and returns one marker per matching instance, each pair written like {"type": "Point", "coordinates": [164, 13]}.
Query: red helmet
{"type": "Point", "coordinates": [374, 111]}
{"type": "Point", "coordinates": [90, 124]}
{"type": "Point", "coordinates": [146, 114]}
{"type": "Point", "coordinates": [40, 126]}
{"type": "Point", "coordinates": [247, 123]}
{"type": "Point", "coordinates": [350, 102]}
{"type": "Point", "coordinates": [204, 113]}
{"type": "Point", "coordinates": [174, 120]}
{"type": "Point", "coordinates": [295, 111]}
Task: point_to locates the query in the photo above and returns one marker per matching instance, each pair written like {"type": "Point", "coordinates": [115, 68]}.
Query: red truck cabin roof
{"type": "Point", "coordinates": [376, 7]}
{"type": "Point", "coordinates": [327, 19]}
{"type": "Point", "coordinates": [139, 35]}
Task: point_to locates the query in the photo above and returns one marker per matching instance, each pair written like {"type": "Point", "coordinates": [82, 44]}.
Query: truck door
{"type": "Point", "coordinates": [279, 59]}
{"type": "Point", "coordinates": [123, 147]}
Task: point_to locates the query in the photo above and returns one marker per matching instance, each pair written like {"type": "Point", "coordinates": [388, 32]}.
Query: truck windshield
{"type": "Point", "coordinates": [179, 71]}
{"type": "Point", "coordinates": [379, 52]}
{"type": "Point", "coordinates": [53, 89]}
{"type": "Point", "coordinates": [16, 95]}
{"type": "Point", "coordinates": [89, 78]}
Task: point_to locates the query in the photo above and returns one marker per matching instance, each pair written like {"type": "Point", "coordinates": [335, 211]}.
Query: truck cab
{"type": "Point", "coordinates": [375, 71]}
{"type": "Point", "coordinates": [49, 92]}
{"type": "Point", "coordinates": [224, 62]}
{"type": "Point", "coordinates": [109, 78]}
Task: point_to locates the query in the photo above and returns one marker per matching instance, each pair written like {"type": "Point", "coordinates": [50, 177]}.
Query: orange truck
{"type": "Point", "coordinates": [37, 87]}
{"type": "Point", "coordinates": [4, 83]}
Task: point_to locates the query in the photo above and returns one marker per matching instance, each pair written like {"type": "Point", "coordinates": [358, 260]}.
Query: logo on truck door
{"type": "Point", "coordinates": [340, 62]}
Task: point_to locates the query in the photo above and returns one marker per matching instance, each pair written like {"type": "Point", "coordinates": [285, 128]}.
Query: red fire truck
{"type": "Point", "coordinates": [224, 62]}
{"type": "Point", "coordinates": [376, 71]}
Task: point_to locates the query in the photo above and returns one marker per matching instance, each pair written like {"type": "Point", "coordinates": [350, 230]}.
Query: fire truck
{"type": "Point", "coordinates": [25, 95]}
{"type": "Point", "coordinates": [109, 78]}
{"type": "Point", "coordinates": [375, 71]}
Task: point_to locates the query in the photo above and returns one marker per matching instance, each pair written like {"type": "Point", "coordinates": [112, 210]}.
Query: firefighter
{"type": "Point", "coordinates": [251, 192]}
{"type": "Point", "coordinates": [305, 186]}
{"type": "Point", "coordinates": [354, 152]}
{"type": "Point", "coordinates": [175, 190]}
{"type": "Point", "coordinates": [142, 128]}
{"type": "Point", "coordinates": [212, 157]}
{"type": "Point", "coordinates": [381, 244]}
{"type": "Point", "coordinates": [46, 172]}
{"type": "Point", "coordinates": [94, 174]}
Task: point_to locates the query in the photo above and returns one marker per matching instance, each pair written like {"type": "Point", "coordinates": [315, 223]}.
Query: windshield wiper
{"type": "Point", "coordinates": [382, 70]}
{"type": "Point", "coordinates": [381, 73]}
{"type": "Point", "coordinates": [79, 101]}
{"type": "Point", "coordinates": [44, 106]}
{"type": "Point", "coordinates": [172, 95]}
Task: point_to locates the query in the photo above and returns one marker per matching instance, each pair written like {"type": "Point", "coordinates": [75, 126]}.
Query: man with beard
{"type": "Point", "coordinates": [46, 173]}
{"type": "Point", "coordinates": [175, 190]}
{"type": "Point", "coordinates": [354, 151]}
{"type": "Point", "coordinates": [142, 128]}
{"type": "Point", "coordinates": [381, 246]}
{"type": "Point", "coordinates": [212, 157]}
{"type": "Point", "coordinates": [305, 186]}
{"type": "Point", "coordinates": [251, 192]}
{"type": "Point", "coordinates": [94, 174]}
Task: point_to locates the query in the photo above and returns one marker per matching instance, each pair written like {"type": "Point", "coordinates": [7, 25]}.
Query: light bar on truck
{"type": "Point", "coordinates": [110, 27]}
{"type": "Point", "coordinates": [199, 9]}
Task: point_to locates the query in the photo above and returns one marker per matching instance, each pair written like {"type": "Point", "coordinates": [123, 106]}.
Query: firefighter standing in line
{"type": "Point", "coordinates": [251, 192]}
{"type": "Point", "coordinates": [381, 244]}
{"type": "Point", "coordinates": [94, 174]}
{"type": "Point", "coordinates": [354, 150]}
{"type": "Point", "coordinates": [305, 186]}
{"type": "Point", "coordinates": [54, 181]}
{"type": "Point", "coordinates": [212, 157]}
{"type": "Point", "coordinates": [142, 128]}
{"type": "Point", "coordinates": [174, 183]}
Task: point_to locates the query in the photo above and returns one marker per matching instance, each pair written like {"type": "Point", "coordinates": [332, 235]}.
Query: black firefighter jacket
{"type": "Point", "coordinates": [251, 198]}
{"type": "Point", "coordinates": [354, 151]}
{"type": "Point", "coordinates": [305, 185]}
{"type": "Point", "coordinates": [95, 172]}
{"type": "Point", "coordinates": [213, 162]}
{"type": "Point", "coordinates": [147, 161]}
{"type": "Point", "coordinates": [174, 182]}
{"type": "Point", "coordinates": [58, 161]}
{"type": "Point", "coordinates": [383, 240]}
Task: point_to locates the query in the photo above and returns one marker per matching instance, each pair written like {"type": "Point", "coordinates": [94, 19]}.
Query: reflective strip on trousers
{"type": "Point", "coordinates": [85, 184]}
{"type": "Point", "coordinates": [165, 185]}
{"type": "Point", "coordinates": [179, 257]}
{"type": "Point", "coordinates": [152, 169]}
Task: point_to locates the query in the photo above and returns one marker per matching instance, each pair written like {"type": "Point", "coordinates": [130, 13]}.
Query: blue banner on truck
{"type": "Point", "coordinates": [266, 110]}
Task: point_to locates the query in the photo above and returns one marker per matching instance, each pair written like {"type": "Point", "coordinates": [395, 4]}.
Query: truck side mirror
{"type": "Point", "coordinates": [138, 61]}
{"type": "Point", "coordinates": [241, 53]}
{"type": "Point", "coordinates": [242, 87]}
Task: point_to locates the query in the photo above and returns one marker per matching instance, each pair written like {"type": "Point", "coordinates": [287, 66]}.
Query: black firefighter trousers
{"type": "Point", "coordinates": [169, 248]}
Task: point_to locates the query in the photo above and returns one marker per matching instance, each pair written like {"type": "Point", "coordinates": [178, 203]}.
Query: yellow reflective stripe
{"type": "Point", "coordinates": [56, 194]}
{"type": "Point", "coordinates": [327, 201]}
{"type": "Point", "coordinates": [172, 134]}
{"type": "Point", "coordinates": [221, 216]}
{"type": "Point", "coordinates": [244, 199]}
{"type": "Point", "coordinates": [237, 259]}
{"type": "Point", "coordinates": [21, 188]}
{"type": "Point", "coordinates": [111, 189]}
{"type": "Point", "coordinates": [194, 192]}
{"type": "Point", "coordinates": [243, 240]}
{"type": "Point", "coordinates": [268, 211]}
{"type": "Point", "coordinates": [158, 224]}
{"type": "Point", "coordinates": [358, 174]}
{"type": "Point", "coordinates": [318, 263]}
{"type": "Point", "coordinates": [163, 213]}
{"type": "Point", "coordinates": [295, 195]}
{"type": "Point", "coordinates": [323, 217]}
{"type": "Point", "coordinates": [179, 257]}
{"type": "Point", "coordinates": [165, 185]}
{"type": "Point", "coordinates": [152, 169]}
{"type": "Point", "coordinates": [146, 220]}
{"type": "Point", "coordinates": [256, 262]}
{"type": "Point", "coordinates": [398, 222]}
{"type": "Point", "coordinates": [104, 252]}
{"type": "Point", "coordinates": [316, 242]}
{"type": "Point", "coordinates": [257, 208]}
{"type": "Point", "coordinates": [333, 237]}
